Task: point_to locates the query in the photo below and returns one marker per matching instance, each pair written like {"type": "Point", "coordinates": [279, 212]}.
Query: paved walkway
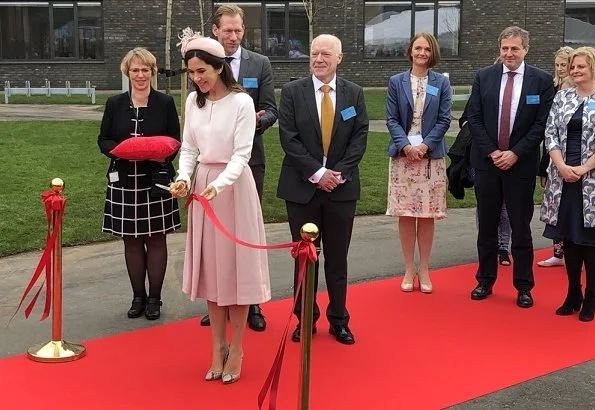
{"type": "Point", "coordinates": [24, 112]}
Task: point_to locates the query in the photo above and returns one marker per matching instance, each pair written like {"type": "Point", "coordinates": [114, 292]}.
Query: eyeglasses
{"type": "Point", "coordinates": [139, 70]}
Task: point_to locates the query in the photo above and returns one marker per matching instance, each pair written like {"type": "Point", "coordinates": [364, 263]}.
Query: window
{"type": "Point", "coordinates": [389, 26]}
{"type": "Point", "coordinates": [38, 30]}
{"type": "Point", "coordinates": [64, 30]}
{"type": "Point", "coordinates": [278, 29]}
{"type": "Point", "coordinates": [579, 22]}
{"type": "Point", "coordinates": [252, 22]}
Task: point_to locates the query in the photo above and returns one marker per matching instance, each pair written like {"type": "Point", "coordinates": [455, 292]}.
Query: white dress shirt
{"type": "Point", "coordinates": [516, 93]}
{"type": "Point", "coordinates": [235, 63]}
{"type": "Point", "coordinates": [318, 94]}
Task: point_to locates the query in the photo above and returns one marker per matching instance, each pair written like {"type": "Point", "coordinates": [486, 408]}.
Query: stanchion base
{"type": "Point", "coordinates": [56, 352]}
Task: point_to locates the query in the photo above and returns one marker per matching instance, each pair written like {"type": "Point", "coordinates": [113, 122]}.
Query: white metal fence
{"type": "Point", "coordinates": [48, 90]}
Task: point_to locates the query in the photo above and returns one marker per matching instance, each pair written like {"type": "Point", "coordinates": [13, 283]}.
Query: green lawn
{"type": "Point", "coordinates": [34, 152]}
{"type": "Point", "coordinates": [375, 101]}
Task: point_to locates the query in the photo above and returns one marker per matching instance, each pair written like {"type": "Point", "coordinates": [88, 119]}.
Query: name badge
{"type": "Point", "coordinates": [250, 82]}
{"type": "Point", "coordinates": [348, 113]}
{"type": "Point", "coordinates": [430, 89]}
{"type": "Point", "coordinates": [113, 176]}
{"type": "Point", "coordinates": [591, 105]}
{"type": "Point", "coordinates": [533, 99]}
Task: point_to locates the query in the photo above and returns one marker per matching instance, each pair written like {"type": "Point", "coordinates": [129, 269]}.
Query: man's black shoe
{"type": "Point", "coordinates": [524, 299]}
{"type": "Point", "coordinates": [342, 334]}
{"type": "Point", "coordinates": [295, 336]}
{"type": "Point", "coordinates": [256, 319]}
{"type": "Point", "coordinates": [205, 321]}
{"type": "Point", "coordinates": [481, 292]}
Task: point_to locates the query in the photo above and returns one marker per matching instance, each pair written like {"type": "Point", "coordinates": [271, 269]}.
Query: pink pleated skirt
{"type": "Point", "coordinates": [215, 268]}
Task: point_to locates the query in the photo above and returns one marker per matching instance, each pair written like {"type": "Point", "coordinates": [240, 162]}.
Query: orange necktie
{"type": "Point", "coordinates": [327, 116]}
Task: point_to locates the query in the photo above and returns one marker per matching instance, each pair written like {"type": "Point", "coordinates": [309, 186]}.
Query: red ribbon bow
{"type": "Point", "coordinates": [303, 251]}
{"type": "Point", "coordinates": [55, 203]}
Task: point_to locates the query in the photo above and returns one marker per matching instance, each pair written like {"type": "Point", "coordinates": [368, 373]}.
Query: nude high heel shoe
{"type": "Point", "coordinates": [229, 378]}
{"type": "Point", "coordinates": [425, 284]}
{"type": "Point", "coordinates": [408, 282]}
{"type": "Point", "coordinates": [217, 374]}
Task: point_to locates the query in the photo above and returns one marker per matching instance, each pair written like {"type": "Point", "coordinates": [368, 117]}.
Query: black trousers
{"type": "Point", "coordinates": [258, 174]}
{"type": "Point", "coordinates": [491, 188]}
{"type": "Point", "coordinates": [335, 223]}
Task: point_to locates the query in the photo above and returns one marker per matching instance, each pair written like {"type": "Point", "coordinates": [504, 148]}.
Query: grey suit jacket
{"type": "Point", "coordinates": [254, 66]}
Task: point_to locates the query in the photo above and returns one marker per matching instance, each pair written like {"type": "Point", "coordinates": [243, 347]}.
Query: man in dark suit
{"type": "Point", "coordinates": [323, 125]}
{"type": "Point", "coordinates": [253, 72]}
{"type": "Point", "coordinates": [508, 110]}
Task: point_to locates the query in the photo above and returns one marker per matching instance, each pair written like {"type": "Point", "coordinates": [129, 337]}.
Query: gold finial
{"type": "Point", "coordinates": [57, 185]}
{"type": "Point", "coordinates": [309, 232]}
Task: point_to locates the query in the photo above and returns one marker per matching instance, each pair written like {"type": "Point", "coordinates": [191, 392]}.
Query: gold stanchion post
{"type": "Point", "coordinates": [309, 232]}
{"type": "Point", "coordinates": [56, 350]}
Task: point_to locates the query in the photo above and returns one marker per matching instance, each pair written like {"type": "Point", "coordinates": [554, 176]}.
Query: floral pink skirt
{"type": "Point", "coordinates": [417, 188]}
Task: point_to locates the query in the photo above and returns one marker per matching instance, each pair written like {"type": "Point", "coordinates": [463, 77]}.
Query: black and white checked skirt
{"type": "Point", "coordinates": [130, 210]}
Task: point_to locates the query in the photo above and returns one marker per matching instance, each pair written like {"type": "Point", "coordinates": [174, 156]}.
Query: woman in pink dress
{"type": "Point", "coordinates": [216, 146]}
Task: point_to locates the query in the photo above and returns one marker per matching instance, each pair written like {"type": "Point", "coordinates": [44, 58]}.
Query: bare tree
{"type": "Point", "coordinates": [202, 18]}
{"type": "Point", "coordinates": [313, 8]}
{"type": "Point", "coordinates": [184, 76]}
{"type": "Point", "coordinates": [450, 20]}
{"type": "Point", "coordinates": [309, 7]}
{"type": "Point", "coordinates": [168, 45]}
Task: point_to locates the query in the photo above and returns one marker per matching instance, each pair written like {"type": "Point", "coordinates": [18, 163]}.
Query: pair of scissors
{"type": "Point", "coordinates": [163, 187]}
{"type": "Point", "coordinates": [168, 189]}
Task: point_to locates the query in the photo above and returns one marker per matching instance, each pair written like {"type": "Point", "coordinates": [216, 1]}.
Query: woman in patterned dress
{"type": "Point", "coordinates": [568, 206]}
{"type": "Point", "coordinates": [135, 211]}
{"type": "Point", "coordinates": [561, 81]}
{"type": "Point", "coordinates": [217, 143]}
{"type": "Point", "coordinates": [417, 117]}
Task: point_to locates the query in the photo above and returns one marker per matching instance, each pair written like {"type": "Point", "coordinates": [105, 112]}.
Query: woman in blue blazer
{"type": "Point", "coordinates": [417, 117]}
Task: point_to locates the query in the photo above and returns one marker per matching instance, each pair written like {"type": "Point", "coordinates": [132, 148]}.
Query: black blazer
{"type": "Point", "coordinates": [301, 139]}
{"type": "Point", "coordinates": [160, 118]}
{"type": "Point", "coordinates": [529, 124]}
{"type": "Point", "coordinates": [254, 65]}
{"type": "Point", "coordinates": [458, 170]}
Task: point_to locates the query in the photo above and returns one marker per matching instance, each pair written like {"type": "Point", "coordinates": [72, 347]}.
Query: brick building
{"type": "Point", "coordinates": [85, 40]}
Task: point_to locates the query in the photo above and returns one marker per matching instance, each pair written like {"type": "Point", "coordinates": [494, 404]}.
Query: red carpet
{"type": "Point", "coordinates": [413, 351]}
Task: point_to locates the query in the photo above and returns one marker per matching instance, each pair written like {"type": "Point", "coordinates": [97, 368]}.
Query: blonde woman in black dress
{"type": "Point", "coordinates": [134, 209]}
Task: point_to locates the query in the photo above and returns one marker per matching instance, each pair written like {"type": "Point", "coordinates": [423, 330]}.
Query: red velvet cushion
{"type": "Point", "coordinates": [145, 148]}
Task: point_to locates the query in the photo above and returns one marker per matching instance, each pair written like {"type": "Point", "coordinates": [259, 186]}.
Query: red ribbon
{"type": "Point", "coordinates": [211, 215]}
{"type": "Point", "coordinates": [303, 251]}
{"type": "Point", "coordinates": [54, 203]}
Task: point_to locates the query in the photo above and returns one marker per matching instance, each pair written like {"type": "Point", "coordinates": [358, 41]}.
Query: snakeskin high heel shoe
{"type": "Point", "coordinates": [216, 374]}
